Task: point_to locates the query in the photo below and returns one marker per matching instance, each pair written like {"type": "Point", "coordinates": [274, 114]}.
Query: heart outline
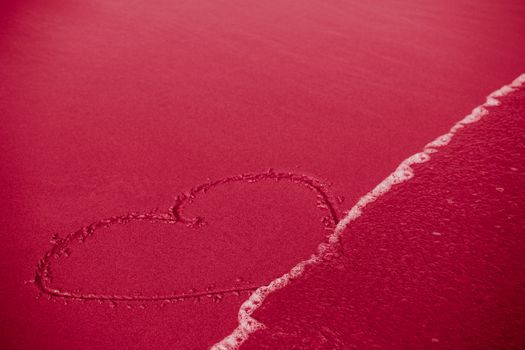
{"type": "Point", "coordinates": [174, 215]}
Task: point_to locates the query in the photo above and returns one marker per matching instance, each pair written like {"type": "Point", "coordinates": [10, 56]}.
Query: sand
{"type": "Point", "coordinates": [111, 108]}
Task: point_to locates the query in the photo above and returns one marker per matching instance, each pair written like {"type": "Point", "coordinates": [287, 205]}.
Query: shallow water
{"type": "Point", "coordinates": [437, 262]}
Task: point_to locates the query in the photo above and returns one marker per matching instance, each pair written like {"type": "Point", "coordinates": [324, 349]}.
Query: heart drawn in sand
{"type": "Point", "coordinates": [173, 216]}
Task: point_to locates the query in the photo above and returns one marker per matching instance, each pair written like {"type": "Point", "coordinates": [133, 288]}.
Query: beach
{"type": "Point", "coordinates": [163, 160]}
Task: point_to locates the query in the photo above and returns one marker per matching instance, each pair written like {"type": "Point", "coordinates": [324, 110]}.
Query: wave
{"type": "Point", "coordinates": [404, 172]}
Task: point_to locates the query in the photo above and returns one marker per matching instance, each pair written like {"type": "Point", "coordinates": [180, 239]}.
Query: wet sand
{"type": "Point", "coordinates": [112, 108]}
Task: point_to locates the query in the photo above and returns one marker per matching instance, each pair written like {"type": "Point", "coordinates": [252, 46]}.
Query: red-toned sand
{"type": "Point", "coordinates": [113, 108]}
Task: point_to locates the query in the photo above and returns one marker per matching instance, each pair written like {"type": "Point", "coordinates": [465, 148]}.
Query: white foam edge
{"type": "Point", "coordinates": [404, 172]}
